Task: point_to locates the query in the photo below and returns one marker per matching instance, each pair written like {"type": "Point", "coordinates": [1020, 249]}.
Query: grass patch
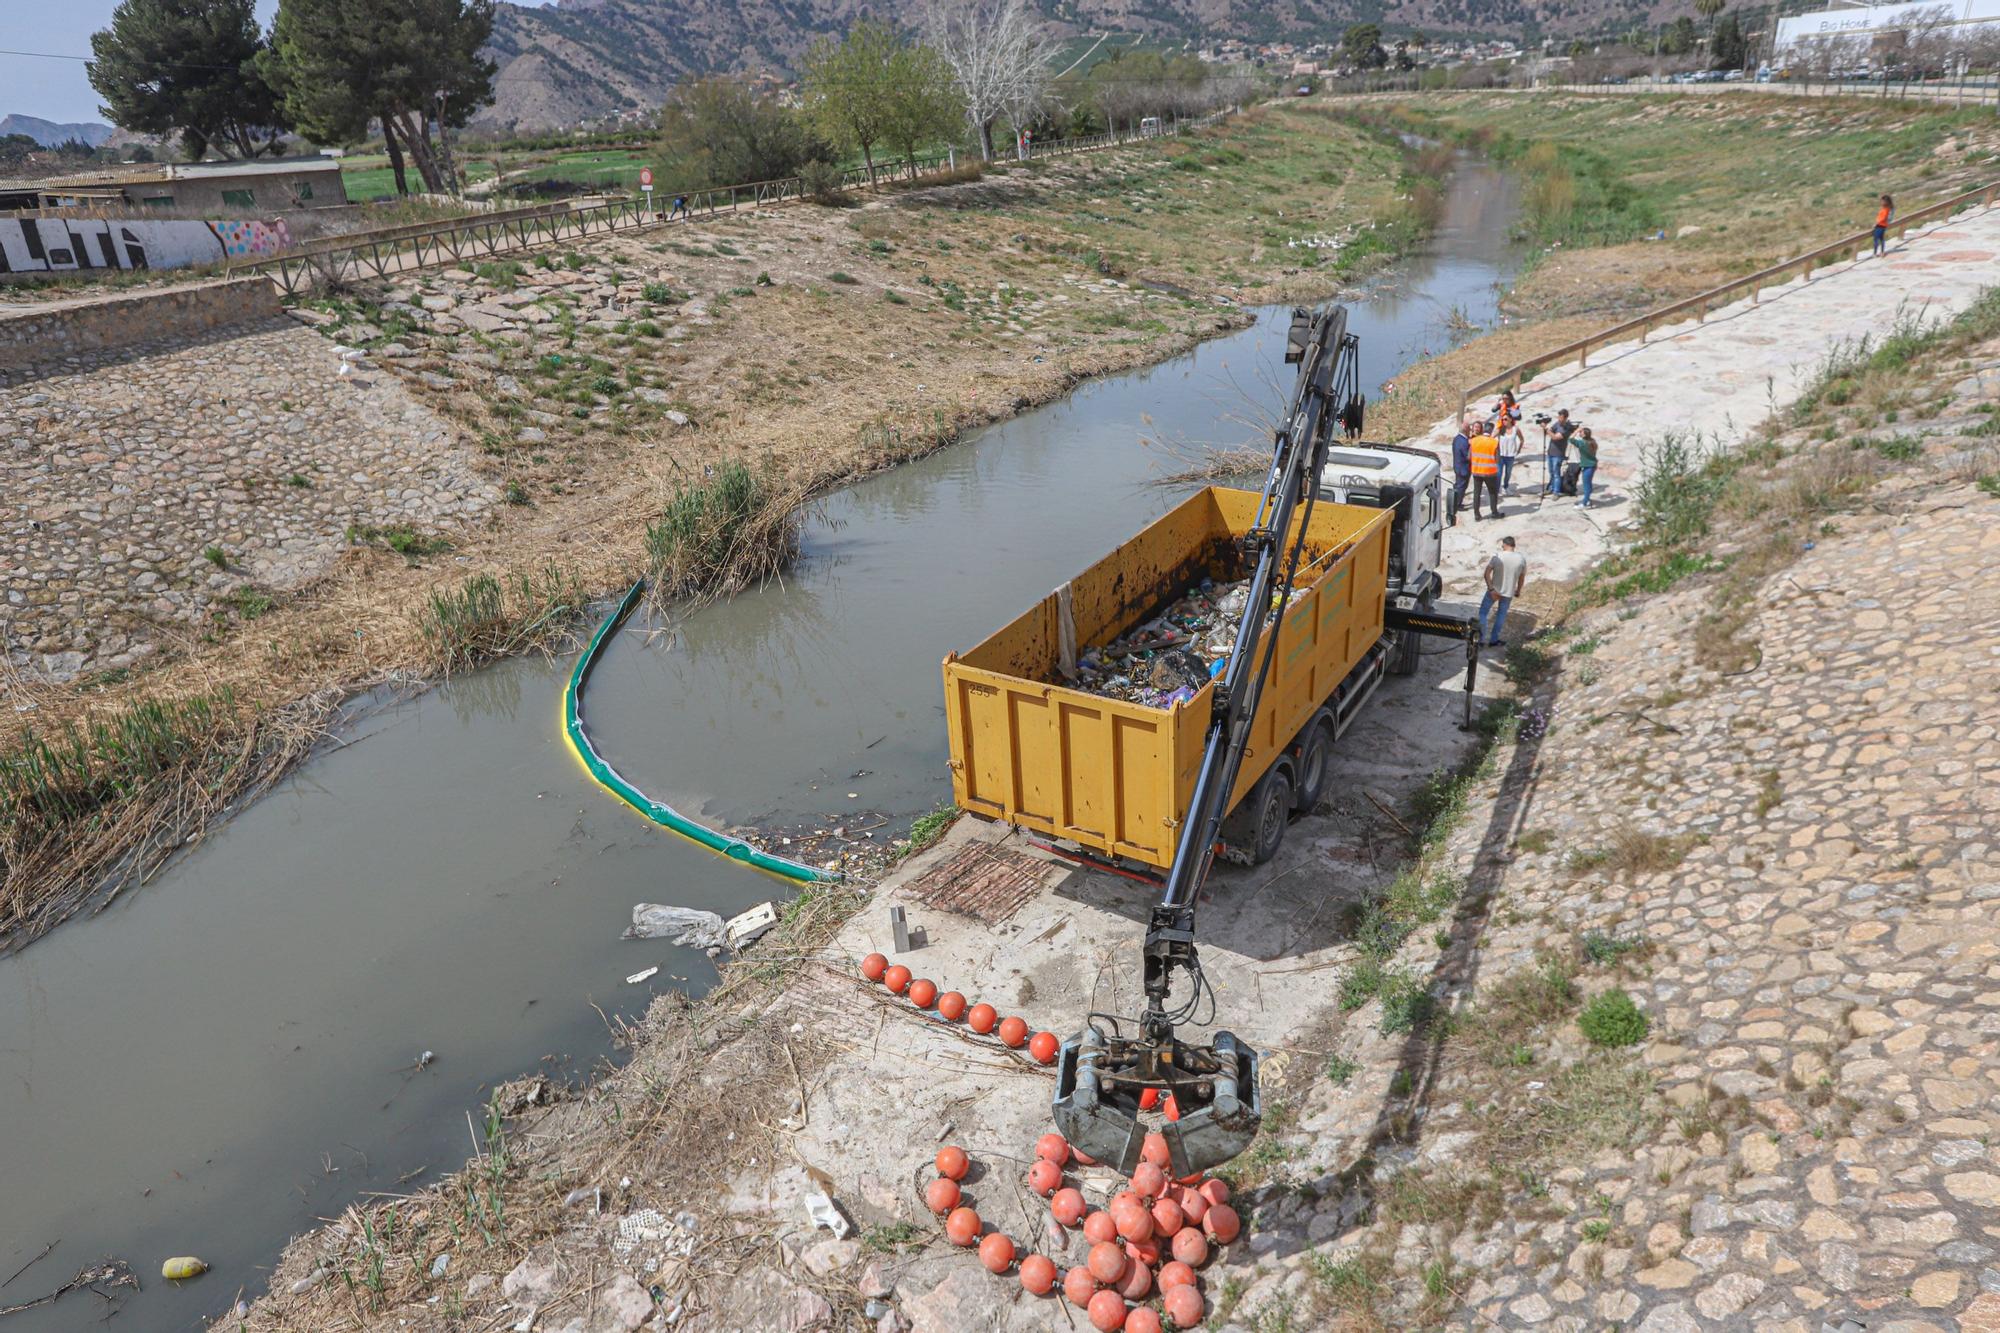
{"type": "Point", "coordinates": [1599, 1104]}
{"type": "Point", "coordinates": [731, 531]}
{"type": "Point", "coordinates": [926, 829]}
{"type": "Point", "coordinates": [401, 538]}
{"type": "Point", "coordinates": [1612, 1019]}
{"type": "Point", "coordinates": [484, 618]}
{"type": "Point", "coordinates": [844, 279]}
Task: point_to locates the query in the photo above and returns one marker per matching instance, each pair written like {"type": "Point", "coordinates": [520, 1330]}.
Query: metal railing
{"type": "Point", "coordinates": [392, 250]}
{"type": "Point", "coordinates": [1702, 303]}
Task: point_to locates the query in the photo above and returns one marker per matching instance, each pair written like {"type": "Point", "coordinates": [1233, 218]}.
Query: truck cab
{"type": "Point", "coordinates": [1410, 483]}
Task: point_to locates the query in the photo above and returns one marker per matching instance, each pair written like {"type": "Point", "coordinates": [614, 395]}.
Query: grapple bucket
{"type": "Point", "coordinates": [1099, 1083]}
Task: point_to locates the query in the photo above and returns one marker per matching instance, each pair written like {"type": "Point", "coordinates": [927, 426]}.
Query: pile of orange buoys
{"type": "Point", "coordinates": [1144, 1247]}
{"type": "Point", "coordinates": [951, 1007]}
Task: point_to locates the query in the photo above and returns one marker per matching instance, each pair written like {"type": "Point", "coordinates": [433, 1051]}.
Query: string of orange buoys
{"type": "Point", "coordinates": [1146, 1243]}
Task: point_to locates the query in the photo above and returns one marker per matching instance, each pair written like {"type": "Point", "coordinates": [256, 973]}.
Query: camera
{"type": "Point", "coordinates": [1543, 418]}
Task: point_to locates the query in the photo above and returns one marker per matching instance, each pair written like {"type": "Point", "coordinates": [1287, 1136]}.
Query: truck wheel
{"type": "Point", "coordinates": [1405, 661]}
{"type": "Point", "coordinates": [1315, 761]}
{"type": "Point", "coordinates": [1271, 807]}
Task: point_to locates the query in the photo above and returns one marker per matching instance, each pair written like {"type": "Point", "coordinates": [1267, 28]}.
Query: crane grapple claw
{"type": "Point", "coordinates": [1099, 1083]}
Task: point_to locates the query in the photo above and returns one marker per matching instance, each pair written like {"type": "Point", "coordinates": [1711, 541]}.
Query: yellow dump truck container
{"type": "Point", "coordinates": [1117, 777]}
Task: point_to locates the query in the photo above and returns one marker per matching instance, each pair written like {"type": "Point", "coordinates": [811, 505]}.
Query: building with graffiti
{"type": "Point", "coordinates": [76, 244]}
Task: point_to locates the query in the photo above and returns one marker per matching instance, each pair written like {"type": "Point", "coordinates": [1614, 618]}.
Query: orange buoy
{"type": "Point", "coordinates": [1044, 1176]}
{"type": "Point", "coordinates": [1222, 1224]}
{"type": "Point", "coordinates": [1014, 1032]}
{"type": "Point", "coordinates": [1148, 1181]}
{"type": "Point", "coordinates": [1171, 1108]}
{"type": "Point", "coordinates": [1191, 1247]}
{"type": "Point", "coordinates": [1038, 1274]}
{"type": "Point", "coordinates": [1215, 1191]}
{"type": "Point", "coordinates": [923, 992]}
{"type": "Point", "coordinates": [1174, 1273]}
{"type": "Point", "coordinates": [1099, 1227]}
{"type": "Point", "coordinates": [962, 1227]}
{"type": "Point", "coordinates": [1079, 1286]}
{"type": "Point", "coordinates": [1167, 1218]}
{"type": "Point", "coordinates": [1107, 1311]}
{"type": "Point", "coordinates": [1044, 1047]}
{"type": "Point", "coordinates": [1184, 1306]}
{"type": "Point", "coordinates": [896, 978]}
{"type": "Point", "coordinates": [982, 1018]}
{"type": "Point", "coordinates": [1193, 1207]}
{"type": "Point", "coordinates": [1155, 1149]}
{"type": "Point", "coordinates": [1120, 1198]}
{"type": "Point", "coordinates": [1137, 1283]}
{"type": "Point", "coordinates": [1052, 1147]}
{"type": "Point", "coordinates": [951, 1006]}
{"type": "Point", "coordinates": [1067, 1206]}
{"type": "Point", "coordinates": [996, 1252]}
{"type": "Point", "coordinates": [1082, 1158]}
{"type": "Point", "coordinates": [1145, 1253]}
{"type": "Point", "coordinates": [1107, 1261]}
{"type": "Point", "coordinates": [941, 1195]}
{"type": "Point", "coordinates": [873, 966]}
{"type": "Point", "coordinates": [1134, 1222]}
{"type": "Point", "coordinates": [952, 1163]}
{"type": "Point", "coordinates": [1142, 1320]}
{"type": "Point", "coordinates": [1149, 1099]}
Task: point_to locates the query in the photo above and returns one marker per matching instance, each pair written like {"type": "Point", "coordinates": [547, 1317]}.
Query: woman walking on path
{"type": "Point", "coordinates": [1586, 459]}
{"type": "Point", "coordinates": [1883, 216]}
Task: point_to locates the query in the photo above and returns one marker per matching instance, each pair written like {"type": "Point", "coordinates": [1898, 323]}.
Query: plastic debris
{"type": "Point", "coordinates": [824, 1212]}
{"type": "Point", "coordinates": [686, 926]}
{"type": "Point", "coordinates": [745, 927]}
{"type": "Point", "coordinates": [182, 1268]}
{"type": "Point", "coordinates": [1167, 659]}
{"type": "Point", "coordinates": [638, 977]}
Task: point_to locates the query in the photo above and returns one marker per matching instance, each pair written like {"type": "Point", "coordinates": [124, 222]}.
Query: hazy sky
{"type": "Point", "coordinates": [60, 90]}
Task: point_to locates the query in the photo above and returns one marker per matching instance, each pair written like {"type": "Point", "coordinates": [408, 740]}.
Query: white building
{"type": "Point", "coordinates": [1863, 25]}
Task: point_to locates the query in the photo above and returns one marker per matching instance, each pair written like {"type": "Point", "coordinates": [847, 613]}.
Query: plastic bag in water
{"type": "Point", "coordinates": [677, 925]}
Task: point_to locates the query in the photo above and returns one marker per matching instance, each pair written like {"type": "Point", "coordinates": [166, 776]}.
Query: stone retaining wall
{"type": "Point", "coordinates": [39, 338]}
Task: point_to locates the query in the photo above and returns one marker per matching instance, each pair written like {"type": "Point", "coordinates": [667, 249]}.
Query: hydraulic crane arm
{"type": "Point", "coordinates": [1101, 1079]}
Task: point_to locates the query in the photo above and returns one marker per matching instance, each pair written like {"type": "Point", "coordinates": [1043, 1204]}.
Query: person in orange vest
{"type": "Point", "coordinates": [1485, 450]}
{"type": "Point", "coordinates": [1882, 217]}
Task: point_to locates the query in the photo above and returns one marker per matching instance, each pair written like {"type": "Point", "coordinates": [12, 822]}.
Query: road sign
{"type": "Point", "coordinates": [646, 177]}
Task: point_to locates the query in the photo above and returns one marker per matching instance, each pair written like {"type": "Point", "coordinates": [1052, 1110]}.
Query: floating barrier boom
{"type": "Point", "coordinates": [736, 849]}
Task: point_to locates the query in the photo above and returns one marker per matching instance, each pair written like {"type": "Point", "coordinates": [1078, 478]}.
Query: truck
{"type": "Point", "coordinates": [1112, 779]}
{"type": "Point", "coordinates": [1337, 557]}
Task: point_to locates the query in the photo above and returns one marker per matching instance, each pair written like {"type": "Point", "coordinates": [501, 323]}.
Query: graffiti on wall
{"type": "Point", "coordinates": [69, 245]}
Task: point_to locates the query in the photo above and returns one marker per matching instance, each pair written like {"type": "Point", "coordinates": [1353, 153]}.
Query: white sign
{"type": "Point", "coordinates": [1881, 18]}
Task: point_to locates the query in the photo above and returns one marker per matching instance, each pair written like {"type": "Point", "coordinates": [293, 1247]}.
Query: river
{"type": "Point", "coordinates": [235, 1050]}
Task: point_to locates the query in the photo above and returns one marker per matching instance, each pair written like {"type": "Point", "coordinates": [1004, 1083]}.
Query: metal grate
{"type": "Point", "coordinates": [986, 883]}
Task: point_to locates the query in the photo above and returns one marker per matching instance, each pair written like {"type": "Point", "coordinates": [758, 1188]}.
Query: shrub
{"type": "Point", "coordinates": [727, 533]}
{"type": "Point", "coordinates": [1612, 1019]}
{"type": "Point", "coordinates": [822, 184]}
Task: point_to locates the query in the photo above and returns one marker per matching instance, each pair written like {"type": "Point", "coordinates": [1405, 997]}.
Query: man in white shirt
{"type": "Point", "coordinates": [1506, 575]}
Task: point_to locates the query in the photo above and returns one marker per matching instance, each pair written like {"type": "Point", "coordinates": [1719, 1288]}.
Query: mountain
{"type": "Point", "coordinates": [583, 60]}
{"type": "Point", "coordinates": [49, 133]}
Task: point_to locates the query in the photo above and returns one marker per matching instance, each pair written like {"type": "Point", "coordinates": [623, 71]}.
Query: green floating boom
{"type": "Point", "coordinates": [736, 849]}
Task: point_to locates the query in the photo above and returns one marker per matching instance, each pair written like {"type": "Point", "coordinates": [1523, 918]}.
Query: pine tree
{"type": "Point", "coordinates": [192, 68]}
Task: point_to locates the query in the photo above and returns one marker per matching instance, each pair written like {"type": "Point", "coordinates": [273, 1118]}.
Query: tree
{"type": "Point", "coordinates": [924, 105]}
{"type": "Point", "coordinates": [1362, 45]}
{"type": "Point", "coordinates": [1000, 53]}
{"type": "Point", "coordinates": [188, 67]}
{"type": "Point", "coordinates": [847, 89]}
{"type": "Point", "coordinates": [1577, 49]}
{"type": "Point", "coordinates": [717, 131]}
{"type": "Point", "coordinates": [1679, 37]}
{"type": "Point", "coordinates": [1727, 46]}
{"type": "Point", "coordinates": [414, 65]}
{"type": "Point", "coordinates": [1708, 9]}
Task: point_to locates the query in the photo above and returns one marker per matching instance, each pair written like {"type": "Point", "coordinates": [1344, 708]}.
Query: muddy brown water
{"type": "Point", "coordinates": [232, 1052]}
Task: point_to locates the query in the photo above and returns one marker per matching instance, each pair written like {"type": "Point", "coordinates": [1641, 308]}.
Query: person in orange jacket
{"type": "Point", "coordinates": [1883, 216]}
{"type": "Point", "coordinates": [1485, 456]}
